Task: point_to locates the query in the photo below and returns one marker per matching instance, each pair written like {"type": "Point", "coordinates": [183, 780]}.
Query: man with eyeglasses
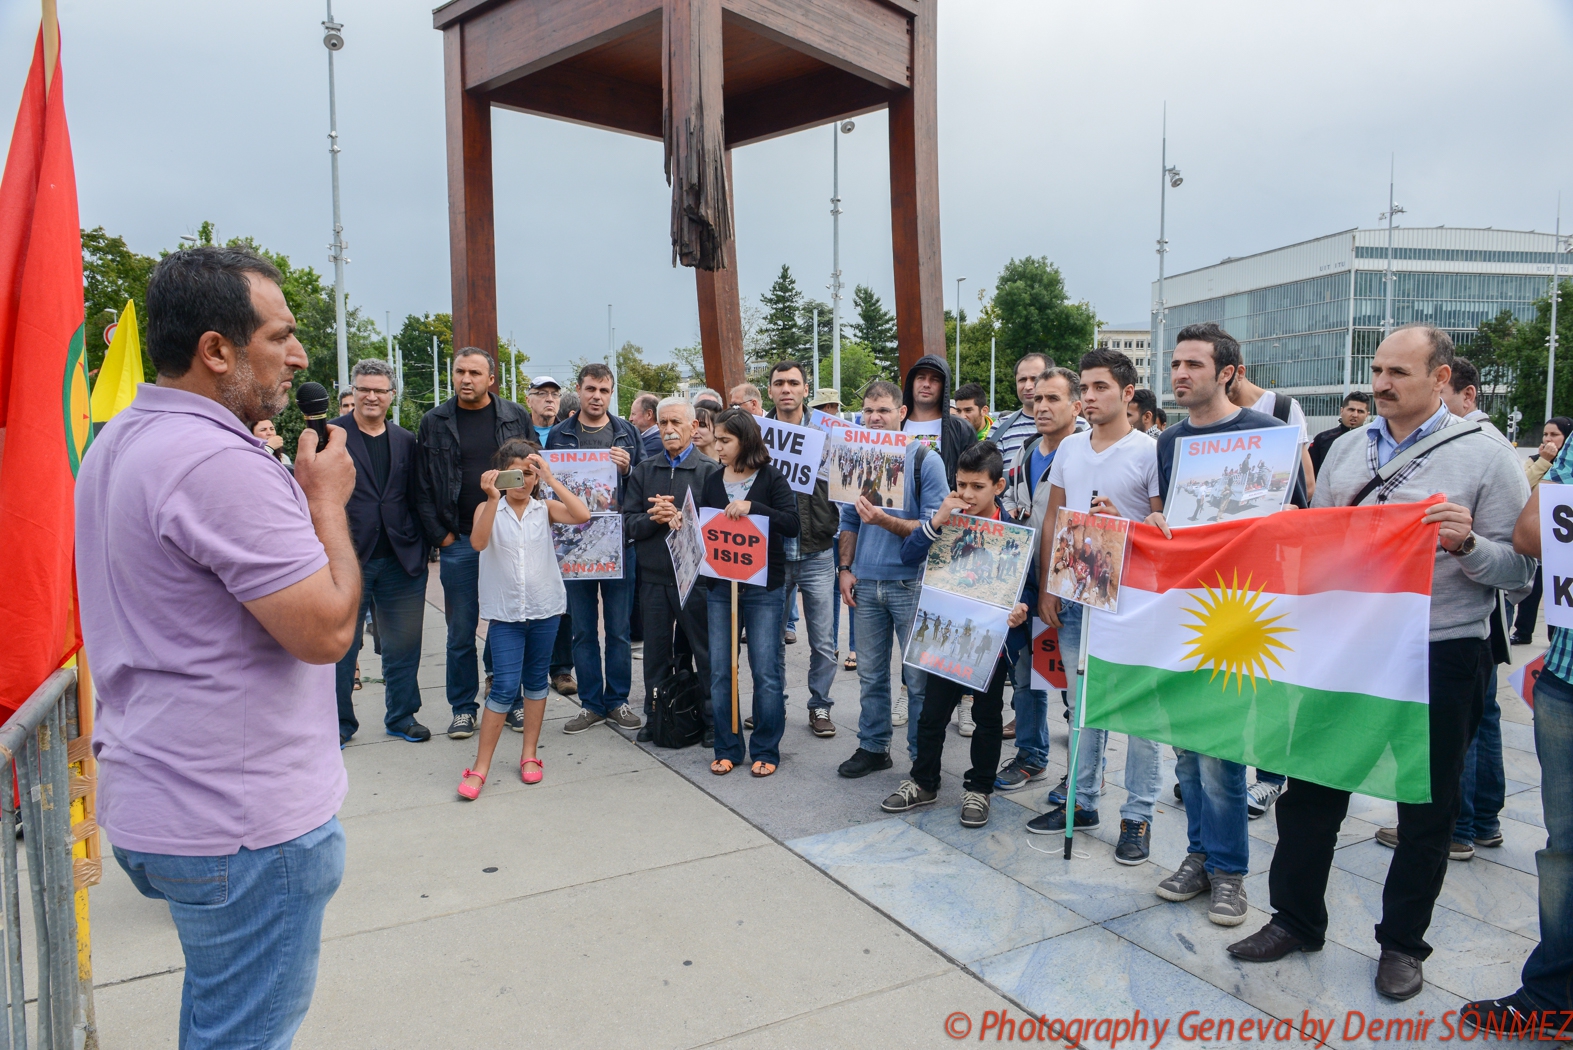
{"type": "Point", "coordinates": [391, 548]}
{"type": "Point", "coordinates": [746, 396]}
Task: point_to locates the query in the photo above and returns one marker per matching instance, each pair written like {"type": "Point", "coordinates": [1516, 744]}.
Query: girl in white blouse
{"type": "Point", "coordinates": [522, 596]}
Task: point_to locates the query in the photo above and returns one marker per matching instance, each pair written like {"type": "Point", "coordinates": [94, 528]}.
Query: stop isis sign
{"type": "Point", "coordinates": [735, 549]}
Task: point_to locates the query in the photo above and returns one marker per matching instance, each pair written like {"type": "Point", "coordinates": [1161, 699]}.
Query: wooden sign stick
{"type": "Point", "coordinates": [734, 657]}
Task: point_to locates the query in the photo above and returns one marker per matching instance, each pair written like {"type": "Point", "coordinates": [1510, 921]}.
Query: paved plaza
{"type": "Point", "coordinates": [633, 899]}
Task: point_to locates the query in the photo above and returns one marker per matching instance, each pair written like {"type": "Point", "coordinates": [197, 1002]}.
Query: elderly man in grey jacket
{"type": "Point", "coordinates": [1414, 449]}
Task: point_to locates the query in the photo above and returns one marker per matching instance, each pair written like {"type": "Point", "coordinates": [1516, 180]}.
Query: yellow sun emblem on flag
{"type": "Point", "coordinates": [1233, 633]}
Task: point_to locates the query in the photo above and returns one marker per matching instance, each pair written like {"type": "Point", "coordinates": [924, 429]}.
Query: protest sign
{"type": "Point", "coordinates": [1048, 662]}
{"type": "Point", "coordinates": [1223, 477]}
{"type": "Point", "coordinates": [1089, 556]}
{"type": "Point", "coordinates": [826, 421]}
{"type": "Point", "coordinates": [1556, 552]}
{"type": "Point", "coordinates": [795, 451]}
{"type": "Point", "coordinates": [589, 474]}
{"type": "Point", "coordinates": [984, 559]}
{"type": "Point", "coordinates": [871, 463]}
{"type": "Point", "coordinates": [734, 548]}
{"type": "Point", "coordinates": [1523, 680]}
{"type": "Point", "coordinates": [956, 637]}
{"type": "Point", "coordinates": [592, 551]}
{"type": "Point", "coordinates": [687, 548]}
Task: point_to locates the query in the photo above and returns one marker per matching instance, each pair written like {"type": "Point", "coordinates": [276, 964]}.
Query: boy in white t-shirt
{"type": "Point", "coordinates": [1120, 465]}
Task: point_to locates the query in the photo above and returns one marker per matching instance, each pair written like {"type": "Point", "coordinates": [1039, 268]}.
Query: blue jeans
{"type": "Point", "coordinates": [1483, 786]}
{"type": "Point", "coordinates": [1143, 767]}
{"type": "Point", "coordinates": [885, 608]}
{"type": "Point", "coordinates": [790, 602]}
{"type": "Point", "coordinates": [1548, 973]}
{"type": "Point", "coordinates": [562, 648]}
{"type": "Point", "coordinates": [459, 569]}
{"type": "Point", "coordinates": [250, 925]}
{"type": "Point", "coordinates": [521, 655]}
{"type": "Point", "coordinates": [589, 602]}
{"type": "Point", "coordinates": [1215, 813]}
{"type": "Point", "coordinates": [815, 577]}
{"type": "Point", "coordinates": [401, 605]}
{"type": "Point", "coordinates": [1032, 713]}
{"type": "Point", "coordinates": [759, 613]}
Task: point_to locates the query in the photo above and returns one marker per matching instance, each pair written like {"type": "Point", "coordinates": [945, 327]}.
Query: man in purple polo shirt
{"type": "Point", "coordinates": [217, 592]}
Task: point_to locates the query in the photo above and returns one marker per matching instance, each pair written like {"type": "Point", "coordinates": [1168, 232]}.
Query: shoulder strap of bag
{"type": "Point", "coordinates": [1418, 449]}
{"type": "Point", "coordinates": [1281, 406]}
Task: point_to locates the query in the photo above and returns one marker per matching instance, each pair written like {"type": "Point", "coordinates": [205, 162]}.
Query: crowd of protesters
{"type": "Point", "coordinates": [216, 571]}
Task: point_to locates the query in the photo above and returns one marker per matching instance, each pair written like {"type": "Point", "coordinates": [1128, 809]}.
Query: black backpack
{"type": "Point", "coordinates": [677, 719]}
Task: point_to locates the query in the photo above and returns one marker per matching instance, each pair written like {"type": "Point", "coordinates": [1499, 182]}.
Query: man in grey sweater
{"type": "Point", "coordinates": [1485, 489]}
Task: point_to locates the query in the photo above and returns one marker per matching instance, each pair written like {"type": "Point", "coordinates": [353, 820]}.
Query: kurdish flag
{"type": "Point", "coordinates": [1297, 643]}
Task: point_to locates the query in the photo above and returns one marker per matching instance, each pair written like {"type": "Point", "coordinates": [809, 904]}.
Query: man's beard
{"type": "Point", "coordinates": [250, 400]}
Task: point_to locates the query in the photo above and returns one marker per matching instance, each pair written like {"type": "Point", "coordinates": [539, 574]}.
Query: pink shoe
{"type": "Point", "coordinates": [532, 776]}
{"type": "Point", "coordinates": [468, 792]}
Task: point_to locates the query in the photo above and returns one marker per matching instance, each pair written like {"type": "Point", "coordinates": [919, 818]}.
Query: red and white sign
{"type": "Point", "coordinates": [109, 332]}
{"type": "Point", "coordinates": [1048, 663]}
{"type": "Point", "coordinates": [1523, 679]}
{"type": "Point", "coordinates": [735, 548]}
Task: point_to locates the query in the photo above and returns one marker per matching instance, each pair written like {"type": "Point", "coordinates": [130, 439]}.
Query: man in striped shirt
{"type": "Point", "coordinates": [1021, 425]}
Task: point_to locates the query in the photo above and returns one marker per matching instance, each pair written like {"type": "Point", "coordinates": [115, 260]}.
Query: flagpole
{"type": "Point", "coordinates": [1078, 721]}
{"type": "Point", "coordinates": [51, 30]}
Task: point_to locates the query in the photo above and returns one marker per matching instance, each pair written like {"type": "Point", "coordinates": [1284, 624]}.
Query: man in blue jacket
{"type": "Point", "coordinates": [881, 589]}
{"type": "Point", "coordinates": [603, 693]}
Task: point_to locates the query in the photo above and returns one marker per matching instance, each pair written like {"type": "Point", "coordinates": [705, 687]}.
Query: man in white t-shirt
{"type": "Point", "coordinates": [1246, 394]}
{"type": "Point", "coordinates": [1110, 469]}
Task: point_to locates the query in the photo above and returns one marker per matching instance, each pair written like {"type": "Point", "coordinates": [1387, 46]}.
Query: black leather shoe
{"type": "Point", "coordinates": [709, 736]}
{"type": "Point", "coordinates": [1269, 944]}
{"type": "Point", "coordinates": [862, 763]}
{"type": "Point", "coordinates": [645, 734]}
{"type": "Point", "coordinates": [1399, 976]}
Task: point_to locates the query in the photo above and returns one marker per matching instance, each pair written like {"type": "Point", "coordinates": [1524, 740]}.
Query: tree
{"type": "Point", "coordinates": [875, 328]}
{"type": "Point", "coordinates": [691, 361]}
{"type": "Point", "coordinates": [858, 370]}
{"type": "Point", "coordinates": [1513, 353]}
{"type": "Point", "coordinates": [1036, 314]}
{"type": "Point", "coordinates": [414, 340]}
{"type": "Point", "coordinates": [111, 274]}
{"type": "Point", "coordinates": [783, 333]}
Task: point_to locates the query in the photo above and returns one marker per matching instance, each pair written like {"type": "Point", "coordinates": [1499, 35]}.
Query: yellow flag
{"type": "Point", "coordinates": [116, 386]}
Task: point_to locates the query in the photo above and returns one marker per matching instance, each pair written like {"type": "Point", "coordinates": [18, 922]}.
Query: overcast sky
{"type": "Point", "coordinates": [1281, 117]}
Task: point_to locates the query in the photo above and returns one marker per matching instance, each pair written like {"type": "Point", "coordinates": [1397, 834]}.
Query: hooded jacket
{"type": "Point", "coordinates": [955, 434]}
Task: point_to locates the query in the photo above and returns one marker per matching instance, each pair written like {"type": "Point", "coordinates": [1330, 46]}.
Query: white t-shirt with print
{"type": "Point", "coordinates": [1126, 472]}
{"type": "Point", "coordinates": [927, 432]}
{"type": "Point", "coordinates": [1269, 401]}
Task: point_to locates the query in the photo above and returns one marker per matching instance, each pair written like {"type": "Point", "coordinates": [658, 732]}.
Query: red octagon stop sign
{"type": "Point", "coordinates": [734, 549]}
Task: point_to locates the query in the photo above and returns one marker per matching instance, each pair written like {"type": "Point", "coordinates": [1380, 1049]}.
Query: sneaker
{"type": "Point", "coordinates": [1491, 841]}
{"type": "Point", "coordinates": [414, 732]}
{"type": "Point", "coordinates": [748, 723]}
{"type": "Point", "coordinates": [1057, 794]}
{"type": "Point", "coordinates": [1053, 822]}
{"type": "Point", "coordinates": [1460, 850]}
{"type": "Point", "coordinates": [1135, 843]}
{"type": "Point", "coordinates": [1228, 903]}
{"type": "Point", "coordinates": [974, 809]}
{"type": "Point", "coordinates": [1177, 796]}
{"type": "Point", "coordinates": [1387, 837]}
{"type": "Point", "coordinates": [623, 717]}
{"type": "Point", "coordinates": [1520, 639]}
{"type": "Point", "coordinates": [636, 650]}
{"type": "Point", "coordinates": [908, 796]}
{"type": "Point", "coordinates": [1259, 798]}
{"type": "Point", "coordinates": [1016, 775]}
{"type": "Point", "coordinates": [964, 723]}
{"type": "Point", "coordinates": [462, 727]}
{"type": "Point", "coordinates": [1512, 1014]}
{"type": "Point", "coordinates": [791, 637]}
{"type": "Point", "coordinates": [1188, 881]}
{"type": "Point", "coordinates": [898, 708]}
{"type": "Point", "coordinates": [819, 722]}
{"type": "Point", "coordinates": [515, 720]}
{"type": "Point", "coordinates": [565, 684]}
{"type": "Point", "coordinates": [585, 719]}
{"type": "Point", "coordinates": [862, 763]}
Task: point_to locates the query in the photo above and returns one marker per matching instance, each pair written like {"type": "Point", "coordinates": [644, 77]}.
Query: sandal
{"type": "Point", "coordinates": [762, 769]}
{"type": "Point", "coordinates": [851, 662]}
{"type": "Point", "coordinates": [535, 777]}
{"type": "Point", "coordinates": [357, 677]}
{"type": "Point", "coordinates": [466, 791]}
{"type": "Point", "coordinates": [722, 766]}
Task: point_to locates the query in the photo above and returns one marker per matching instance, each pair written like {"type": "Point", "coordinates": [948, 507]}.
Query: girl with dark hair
{"type": "Point", "coordinates": [1552, 438]}
{"type": "Point", "coordinates": [704, 430]}
{"type": "Point", "coordinates": [522, 596]}
{"type": "Point", "coordinates": [748, 484]}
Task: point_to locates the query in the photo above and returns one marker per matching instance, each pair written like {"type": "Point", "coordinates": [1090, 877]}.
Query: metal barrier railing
{"type": "Point", "coordinates": [35, 744]}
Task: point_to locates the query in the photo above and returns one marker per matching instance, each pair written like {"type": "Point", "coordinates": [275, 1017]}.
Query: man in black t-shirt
{"type": "Point", "coordinates": [457, 440]}
{"type": "Point", "coordinates": [392, 551]}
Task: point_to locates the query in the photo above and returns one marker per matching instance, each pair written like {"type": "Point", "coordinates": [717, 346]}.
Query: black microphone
{"type": "Point", "coordinates": [312, 399]}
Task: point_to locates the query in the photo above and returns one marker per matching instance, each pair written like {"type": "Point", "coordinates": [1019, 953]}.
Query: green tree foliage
{"type": "Point", "coordinates": [805, 318]}
{"type": "Point", "coordinates": [413, 340]}
{"type": "Point", "coordinates": [112, 274]}
{"type": "Point", "coordinates": [875, 328]}
{"type": "Point", "coordinates": [634, 374]}
{"type": "Point", "coordinates": [1513, 353]}
{"type": "Point", "coordinates": [858, 370]}
{"type": "Point", "coordinates": [1035, 314]}
{"type": "Point", "coordinates": [783, 333]}
{"type": "Point", "coordinates": [690, 361]}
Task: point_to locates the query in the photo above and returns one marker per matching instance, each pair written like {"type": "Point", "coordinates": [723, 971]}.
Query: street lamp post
{"type": "Point", "coordinates": [957, 380]}
{"type": "Point", "coordinates": [1170, 179]}
{"type": "Point", "coordinates": [1387, 278]}
{"type": "Point", "coordinates": [1556, 275]}
{"type": "Point", "coordinates": [333, 40]}
{"type": "Point", "coordinates": [837, 130]}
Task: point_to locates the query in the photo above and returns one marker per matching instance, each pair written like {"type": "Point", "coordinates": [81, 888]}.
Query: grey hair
{"type": "Point", "coordinates": [375, 366]}
{"type": "Point", "coordinates": [1072, 380]}
{"type": "Point", "coordinates": [674, 402]}
{"type": "Point", "coordinates": [1441, 344]}
{"type": "Point", "coordinates": [704, 392]}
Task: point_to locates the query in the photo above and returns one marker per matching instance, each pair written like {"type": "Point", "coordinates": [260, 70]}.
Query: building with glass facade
{"type": "Point", "coordinates": [1309, 316]}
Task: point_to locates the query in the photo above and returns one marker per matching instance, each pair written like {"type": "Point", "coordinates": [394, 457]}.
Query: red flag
{"type": "Point", "coordinates": [45, 420]}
